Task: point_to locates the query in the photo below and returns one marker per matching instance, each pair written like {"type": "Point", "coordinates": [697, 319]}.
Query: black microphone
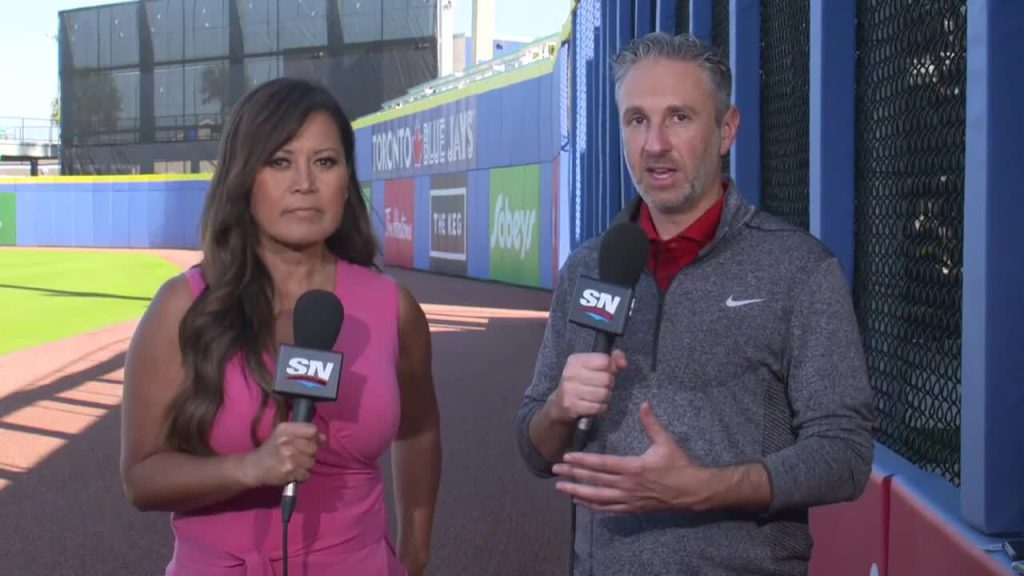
{"type": "Point", "coordinates": [308, 372]}
{"type": "Point", "coordinates": [604, 303]}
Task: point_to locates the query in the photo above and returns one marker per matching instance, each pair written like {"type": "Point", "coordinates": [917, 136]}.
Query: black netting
{"type": "Point", "coordinates": [720, 39]}
{"type": "Point", "coordinates": [682, 16]}
{"type": "Point", "coordinates": [147, 87]}
{"type": "Point", "coordinates": [785, 101]}
{"type": "Point", "coordinates": [911, 77]}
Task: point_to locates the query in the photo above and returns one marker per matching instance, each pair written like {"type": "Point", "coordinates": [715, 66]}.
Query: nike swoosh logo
{"type": "Point", "coordinates": [734, 303]}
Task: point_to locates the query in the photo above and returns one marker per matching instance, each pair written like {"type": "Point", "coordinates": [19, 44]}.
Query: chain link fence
{"type": "Point", "coordinates": [785, 105]}
{"type": "Point", "coordinates": [586, 21]}
{"type": "Point", "coordinates": [910, 109]}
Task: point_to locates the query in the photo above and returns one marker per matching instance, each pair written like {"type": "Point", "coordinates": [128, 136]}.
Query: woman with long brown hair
{"type": "Point", "coordinates": [204, 437]}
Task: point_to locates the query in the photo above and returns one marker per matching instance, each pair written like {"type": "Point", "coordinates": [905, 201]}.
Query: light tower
{"type": "Point", "coordinates": [483, 30]}
{"type": "Point", "coordinates": [445, 37]}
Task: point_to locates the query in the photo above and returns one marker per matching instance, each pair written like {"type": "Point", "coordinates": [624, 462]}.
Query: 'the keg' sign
{"type": "Point", "coordinates": [448, 223]}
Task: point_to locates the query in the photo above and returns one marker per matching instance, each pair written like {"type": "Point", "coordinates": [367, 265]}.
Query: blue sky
{"type": "Point", "coordinates": [530, 18]}
{"type": "Point", "coordinates": [29, 46]}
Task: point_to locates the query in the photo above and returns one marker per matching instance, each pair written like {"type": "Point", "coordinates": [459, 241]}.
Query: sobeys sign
{"type": "Point", "coordinates": [512, 228]}
{"type": "Point", "coordinates": [514, 225]}
{"type": "Point", "coordinates": [8, 231]}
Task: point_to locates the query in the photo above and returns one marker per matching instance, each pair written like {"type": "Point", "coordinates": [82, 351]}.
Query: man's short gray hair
{"type": "Point", "coordinates": [684, 48]}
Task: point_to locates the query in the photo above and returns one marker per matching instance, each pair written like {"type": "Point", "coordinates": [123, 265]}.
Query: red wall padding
{"type": "Point", "coordinates": [921, 542]}
{"type": "Point", "coordinates": [851, 537]}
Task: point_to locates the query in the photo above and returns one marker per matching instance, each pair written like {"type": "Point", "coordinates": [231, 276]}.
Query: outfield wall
{"type": "Point", "coordinates": [490, 223]}
{"type": "Point", "coordinates": [469, 185]}
{"type": "Point", "coordinates": [907, 522]}
{"type": "Point", "coordinates": [103, 211]}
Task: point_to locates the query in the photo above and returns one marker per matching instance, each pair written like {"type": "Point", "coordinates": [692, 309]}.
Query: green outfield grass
{"type": "Point", "coordinates": [46, 295]}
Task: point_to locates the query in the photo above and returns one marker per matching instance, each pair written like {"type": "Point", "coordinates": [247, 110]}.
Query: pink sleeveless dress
{"type": "Point", "coordinates": [339, 526]}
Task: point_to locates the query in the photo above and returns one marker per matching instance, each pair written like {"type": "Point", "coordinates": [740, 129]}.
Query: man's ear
{"type": "Point", "coordinates": [730, 125]}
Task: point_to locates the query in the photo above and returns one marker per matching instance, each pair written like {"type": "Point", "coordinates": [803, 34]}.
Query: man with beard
{"type": "Point", "coordinates": [738, 396]}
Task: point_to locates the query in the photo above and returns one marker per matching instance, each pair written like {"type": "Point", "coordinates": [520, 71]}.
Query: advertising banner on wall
{"type": "Point", "coordinates": [448, 223]}
{"type": "Point", "coordinates": [514, 225]}
{"type": "Point", "coordinates": [399, 217]}
{"type": "Point", "coordinates": [8, 231]}
{"type": "Point", "coordinates": [437, 140]}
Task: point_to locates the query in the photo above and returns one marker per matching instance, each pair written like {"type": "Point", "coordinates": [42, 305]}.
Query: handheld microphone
{"type": "Point", "coordinates": [308, 372]}
{"type": "Point", "coordinates": [603, 304]}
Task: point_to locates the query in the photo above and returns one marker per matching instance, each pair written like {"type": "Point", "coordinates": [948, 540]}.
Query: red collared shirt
{"type": "Point", "coordinates": [667, 257]}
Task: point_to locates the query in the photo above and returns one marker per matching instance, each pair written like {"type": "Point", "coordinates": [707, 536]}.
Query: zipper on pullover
{"type": "Point", "coordinates": [657, 331]}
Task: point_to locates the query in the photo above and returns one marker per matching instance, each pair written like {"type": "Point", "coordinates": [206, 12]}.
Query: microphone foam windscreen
{"type": "Point", "coordinates": [623, 254]}
{"type": "Point", "coordinates": [316, 321]}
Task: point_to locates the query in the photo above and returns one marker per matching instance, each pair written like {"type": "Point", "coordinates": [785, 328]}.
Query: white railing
{"type": "Point", "coordinates": [541, 49]}
{"type": "Point", "coordinates": [29, 130]}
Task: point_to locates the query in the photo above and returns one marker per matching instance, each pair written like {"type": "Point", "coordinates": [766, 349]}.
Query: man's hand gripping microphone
{"type": "Point", "coordinates": [604, 304]}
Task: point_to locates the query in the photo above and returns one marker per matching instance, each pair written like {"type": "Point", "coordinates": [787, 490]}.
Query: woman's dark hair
{"type": "Point", "coordinates": [235, 312]}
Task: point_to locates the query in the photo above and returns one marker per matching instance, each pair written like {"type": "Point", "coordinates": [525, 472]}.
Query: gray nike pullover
{"type": "Point", "coordinates": [751, 355]}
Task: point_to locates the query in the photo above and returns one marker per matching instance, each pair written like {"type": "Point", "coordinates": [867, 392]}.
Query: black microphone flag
{"type": "Point", "coordinates": [310, 370]}
{"type": "Point", "coordinates": [604, 304]}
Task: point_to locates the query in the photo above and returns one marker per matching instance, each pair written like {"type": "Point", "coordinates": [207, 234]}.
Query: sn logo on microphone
{"type": "Point", "coordinates": [599, 305]}
{"type": "Point", "coordinates": [309, 373]}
